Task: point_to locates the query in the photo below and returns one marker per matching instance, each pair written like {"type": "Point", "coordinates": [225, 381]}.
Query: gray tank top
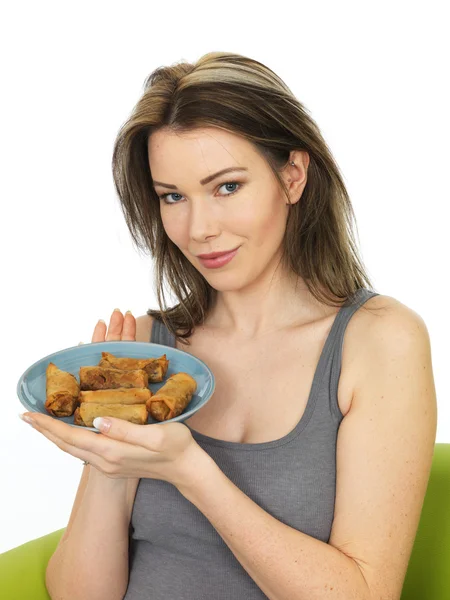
{"type": "Point", "coordinates": [175, 552]}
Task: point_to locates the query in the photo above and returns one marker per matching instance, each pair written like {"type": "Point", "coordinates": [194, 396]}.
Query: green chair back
{"type": "Point", "coordinates": [22, 569]}
{"type": "Point", "coordinates": [428, 574]}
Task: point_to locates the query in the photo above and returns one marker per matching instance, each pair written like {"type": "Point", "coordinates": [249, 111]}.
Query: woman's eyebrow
{"type": "Point", "coordinates": [205, 180]}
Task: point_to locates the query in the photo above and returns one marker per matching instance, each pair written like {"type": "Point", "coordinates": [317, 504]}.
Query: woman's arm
{"type": "Point", "coordinates": [91, 560]}
{"type": "Point", "coordinates": [384, 454]}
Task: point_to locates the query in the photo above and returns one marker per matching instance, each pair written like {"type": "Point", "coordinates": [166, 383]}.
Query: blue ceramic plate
{"type": "Point", "coordinates": [31, 385]}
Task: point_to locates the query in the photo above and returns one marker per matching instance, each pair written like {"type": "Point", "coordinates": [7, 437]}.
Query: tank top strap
{"type": "Point", "coordinates": [336, 342]}
{"type": "Point", "coordinates": [346, 312]}
{"type": "Point", "coordinates": [161, 335]}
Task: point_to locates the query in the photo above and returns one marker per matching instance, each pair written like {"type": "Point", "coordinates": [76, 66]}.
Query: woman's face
{"type": "Point", "coordinates": [239, 209]}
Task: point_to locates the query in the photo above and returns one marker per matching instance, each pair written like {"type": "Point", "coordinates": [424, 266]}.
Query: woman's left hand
{"type": "Point", "coordinates": [164, 451]}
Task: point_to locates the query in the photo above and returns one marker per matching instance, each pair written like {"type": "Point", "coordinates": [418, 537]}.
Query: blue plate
{"type": "Point", "coordinates": [31, 385]}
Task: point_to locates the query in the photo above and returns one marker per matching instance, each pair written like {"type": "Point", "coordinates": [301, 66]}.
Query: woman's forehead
{"type": "Point", "coordinates": [209, 137]}
{"type": "Point", "coordinates": [200, 151]}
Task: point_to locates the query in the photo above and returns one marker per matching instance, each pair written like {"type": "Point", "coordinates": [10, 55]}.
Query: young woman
{"type": "Point", "coordinates": [304, 475]}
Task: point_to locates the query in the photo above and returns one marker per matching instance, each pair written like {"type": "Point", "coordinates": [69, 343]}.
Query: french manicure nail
{"type": "Point", "coordinates": [102, 424]}
{"type": "Point", "coordinates": [128, 312]}
{"type": "Point", "coordinates": [117, 310]}
{"type": "Point", "coordinates": [101, 321]}
{"type": "Point", "coordinates": [26, 419]}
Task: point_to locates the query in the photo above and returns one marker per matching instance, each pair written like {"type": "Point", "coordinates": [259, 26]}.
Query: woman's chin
{"type": "Point", "coordinates": [226, 282]}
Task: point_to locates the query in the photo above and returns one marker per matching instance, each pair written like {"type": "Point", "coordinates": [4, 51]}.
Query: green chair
{"type": "Point", "coordinates": [22, 569]}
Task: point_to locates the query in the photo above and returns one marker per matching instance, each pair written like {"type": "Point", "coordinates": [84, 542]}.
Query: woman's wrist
{"type": "Point", "coordinates": [97, 478]}
{"type": "Point", "coordinates": [197, 466]}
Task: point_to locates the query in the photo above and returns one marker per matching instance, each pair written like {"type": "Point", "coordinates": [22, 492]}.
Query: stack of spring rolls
{"type": "Point", "coordinates": [118, 387]}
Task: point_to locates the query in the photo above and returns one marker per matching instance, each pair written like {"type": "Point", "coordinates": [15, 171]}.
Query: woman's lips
{"type": "Point", "coordinates": [219, 261]}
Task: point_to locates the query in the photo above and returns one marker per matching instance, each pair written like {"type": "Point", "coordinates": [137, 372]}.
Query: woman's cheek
{"type": "Point", "coordinates": [174, 226]}
{"type": "Point", "coordinates": [260, 224]}
{"type": "Point", "coordinates": [240, 218]}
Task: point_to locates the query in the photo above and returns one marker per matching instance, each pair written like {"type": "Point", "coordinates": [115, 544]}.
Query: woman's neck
{"type": "Point", "coordinates": [272, 302]}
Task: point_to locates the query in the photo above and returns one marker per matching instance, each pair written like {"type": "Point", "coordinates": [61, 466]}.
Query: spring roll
{"type": "Point", "coordinates": [172, 398]}
{"type": "Point", "coordinates": [116, 396]}
{"type": "Point", "coordinates": [88, 411]}
{"type": "Point", "coordinates": [62, 391]}
{"type": "Point", "coordinates": [156, 368]}
{"type": "Point", "coordinates": [98, 378]}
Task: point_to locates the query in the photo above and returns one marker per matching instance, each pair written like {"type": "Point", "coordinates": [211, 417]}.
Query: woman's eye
{"type": "Point", "coordinates": [230, 183]}
{"type": "Point", "coordinates": [166, 197]}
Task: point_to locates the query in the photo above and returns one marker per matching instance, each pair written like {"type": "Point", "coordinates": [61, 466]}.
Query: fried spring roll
{"type": "Point", "coordinates": [116, 396]}
{"type": "Point", "coordinates": [88, 411]}
{"type": "Point", "coordinates": [172, 398]}
{"type": "Point", "coordinates": [62, 391]}
{"type": "Point", "coordinates": [156, 368]}
{"type": "Point", "coordinates": [98, 378]}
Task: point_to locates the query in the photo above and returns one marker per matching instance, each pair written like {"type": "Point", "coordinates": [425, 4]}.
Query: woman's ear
{"type": "Point", "coordinates": [296, 175]}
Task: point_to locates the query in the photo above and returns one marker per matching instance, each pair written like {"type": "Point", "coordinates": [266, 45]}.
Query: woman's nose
{"type": "Point", "coordinates": [203, 223]}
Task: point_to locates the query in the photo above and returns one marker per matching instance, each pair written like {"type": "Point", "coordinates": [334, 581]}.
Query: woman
{"type": "Point", "coordinates": [304, 475]}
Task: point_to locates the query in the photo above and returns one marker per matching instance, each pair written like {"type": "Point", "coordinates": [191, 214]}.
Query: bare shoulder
{"type": "Point", "coordinates": [392, 323]}
{"type": "Point", "coordinates": [143, 328]}
{"type": "Point", "coordinates": [381, 310]}
{"type": "Point", "coordinates": [381, 325]}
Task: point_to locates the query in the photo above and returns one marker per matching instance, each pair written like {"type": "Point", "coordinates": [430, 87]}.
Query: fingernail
{"type": "Point", "coordinates": [117, 310]}
{"type": "Point", "coordinates": [101, 321]}
{"type": "Point", "coordinates": [128, 312]}
{"type": "Point", "coordinates": [102, 424]}
{"type": "Point", "coordinates": [26, 419]}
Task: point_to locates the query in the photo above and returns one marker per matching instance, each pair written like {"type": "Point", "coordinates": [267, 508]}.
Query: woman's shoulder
{"type": "Point", "coordinates": [383, 312]}
{"type": "Point", "coordinates": [386, 325]}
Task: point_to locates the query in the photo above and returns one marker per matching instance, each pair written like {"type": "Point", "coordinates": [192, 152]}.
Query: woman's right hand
{"type": "Point", "coordinates": [120, 328]}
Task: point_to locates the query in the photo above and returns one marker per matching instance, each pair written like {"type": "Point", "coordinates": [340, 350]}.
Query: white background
{"type": "Point", "coordinates": [373, 76]}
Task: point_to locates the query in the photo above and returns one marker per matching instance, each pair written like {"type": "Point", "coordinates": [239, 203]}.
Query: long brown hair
{"type": "Point", "coordinates": [242, 96]}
